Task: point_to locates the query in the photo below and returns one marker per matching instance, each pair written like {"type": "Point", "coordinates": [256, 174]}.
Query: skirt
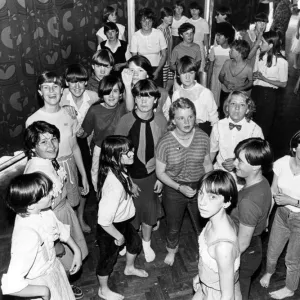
{"type": "Point", "coordinates": [147, 204]}
{"type": "Point", "coordinates": [56, 280]}
{"type": "Point", "coordinates": [65, 214]}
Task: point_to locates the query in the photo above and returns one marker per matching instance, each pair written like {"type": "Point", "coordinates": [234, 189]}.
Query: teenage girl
{"type": "Point", "coordinates": [116, 209]}
{"type": "Point", "coordinates": [219, 257]}
{"type": "Point", "coordinates": [34, 271]}
{"type": "Point", "coordinates": [270, 73]}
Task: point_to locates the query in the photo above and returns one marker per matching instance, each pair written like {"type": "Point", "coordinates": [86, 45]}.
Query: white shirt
{"type": "Point", "coordinates": [32, 249]}
{"type": "Point", "coordinates": [115, 206]}
{"type": "Point", "coordinates": [224, 140]}
{"type": "Point", "coordinates": [288, 183]}
{"type": "Point", "coordinates": [121, 28]}
{"type": "Point", "coordinates": [149, 46]}
{"type": "Point", "coordinates": [176, 24]}
{"type": "Point", "coordinates": [277, 72]}
{"type": "Point", "coordinates": [206, 108]}
{"type": "Point", "coordinates": [201, 28]}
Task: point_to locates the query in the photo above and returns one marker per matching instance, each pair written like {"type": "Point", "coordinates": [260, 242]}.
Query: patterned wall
{"type": "Point", "coordinates": [38, 35]}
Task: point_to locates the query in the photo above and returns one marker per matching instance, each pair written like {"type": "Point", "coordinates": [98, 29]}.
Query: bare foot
{"type": "Point", "coordinates": [265, 280]}
{"type": "Point", "coordinates": [169, 260]}
{"type": "Point", "coordinates": [135, 272]}
{"type": "Point", "coordinates": [108, 294]}
{"type": "Point", "coordinates": [282, 293]}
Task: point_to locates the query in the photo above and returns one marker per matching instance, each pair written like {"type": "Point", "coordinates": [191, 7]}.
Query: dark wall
{"type": "Point", "coordinates": [48, 35]}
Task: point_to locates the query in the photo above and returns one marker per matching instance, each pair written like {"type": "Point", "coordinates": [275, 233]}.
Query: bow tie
{"type": "Point", "coordinates": [238, 127]}
{"type": "Point", "coordinates": [55, 164]}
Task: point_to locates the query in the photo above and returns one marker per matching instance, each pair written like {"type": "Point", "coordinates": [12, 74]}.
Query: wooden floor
{"type": "Point", "coordinates": [175, 282]}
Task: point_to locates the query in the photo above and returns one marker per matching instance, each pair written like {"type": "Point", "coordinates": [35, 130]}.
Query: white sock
{"type": "Point", "coordinates": [148, 251]}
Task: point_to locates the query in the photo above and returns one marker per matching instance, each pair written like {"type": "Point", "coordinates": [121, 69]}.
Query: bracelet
{"type": "Point", "coordinates": [179, 185]}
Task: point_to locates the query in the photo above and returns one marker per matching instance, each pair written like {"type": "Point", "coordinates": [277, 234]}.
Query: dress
{"type": "Point", "coordinates": [208, 271]}
{"type": "Point", "coordinates": [60, 206]}
{"type": "Point", "coordinates": [33, 259]}
{"type": "Point", "coordinates": [217, 56]}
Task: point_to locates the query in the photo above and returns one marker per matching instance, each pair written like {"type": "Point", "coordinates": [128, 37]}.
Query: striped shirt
{"type": "Point", "coordinates": [183, 163]}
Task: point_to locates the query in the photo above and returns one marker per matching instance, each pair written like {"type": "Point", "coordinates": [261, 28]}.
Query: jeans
{"type": "Point", "coordinates": [250, 262]}
{"type": "Point", "coordinates": [285, 228]}
{"type": "Point", "coordinates": [175, 204]}
{"type": "Point", "coordinates": [109, 251]}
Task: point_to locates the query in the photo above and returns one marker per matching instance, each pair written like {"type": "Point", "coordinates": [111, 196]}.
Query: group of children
{"type": "Point", "coordinates": [109, 125]}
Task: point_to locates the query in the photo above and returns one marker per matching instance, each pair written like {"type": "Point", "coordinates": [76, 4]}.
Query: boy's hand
{"type": "Point", "coordinates": [120, 241]}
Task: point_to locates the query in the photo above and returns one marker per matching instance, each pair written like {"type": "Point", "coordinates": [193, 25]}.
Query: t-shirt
{"type": "Point", "coordinates": [115, 205]}
{"type": "Point", "coordinates": [183, 163]}
{"type": "Point", "coordinates": [201, 28]}
{"type": "Point", "coordinates": [102, 121]}
{"type": "Point", "coordinates": [149, 46]}
{"type": "Point", "coordinates": [62, 120]}
{"type": "Point", "coordinates": [176, 24]}
{"type": "Point", "coordinates": [93, 84]}
{"type": "Point", "coordinates": [253, 206]}
{"type": "Point", "coordinates": [145, 135]}
{"type": "Point", "coordinates": [181, 50]}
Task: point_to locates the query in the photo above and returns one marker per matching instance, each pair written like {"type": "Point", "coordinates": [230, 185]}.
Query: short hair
{"type": "Point", "coordinates": [250, 103]}
{"type": "Point", "coordinates": [241, 26]}
{"type": "Point", "coordinates": [294, 142]}
{"type": "Point", "coordinates": [242, 47]}
{"type": "Point", "coordinates": [196, 5]}
{"type": "Point", "coordinates": [187, 64]}
{"type": "Point", "coordinates": [261, 17]}
{"type": "Point", "coordinates": [110, 26]}
{"type": "Point", "coordinates": [165, 12]}
{"type": "Point", "coordinates": [27, 189]}
{"type": "Point", "coordinates": [103, 56]}
{"type": "Point", "coordinates": [179, 3]}
{"type": "Point", "coordinates": [258, 152]}
{"type": "Point", "coordinates": [224, 11]}
{"type": "Point", "coordinates": [185, 27]}
{"type": "Point", "coordinates": [142, 62]}
{"type": "Point", "coordinates": [146, 87]}
{"type": "Point", "coordinates": [33, 131]}
{"type": "Point", "coordinates": [107, 84]}
{"type": "Point", "coordinates": [49, 77]}
{"type": "Point", "coordinates": [183, 103]}
{"type": "Point", "coordinates": [75, 73]}
{"type": "Point", "coordinates": [144, 13]}
{"type": "Point", "coordinates": [108, 10]}
{"type": "Point", "coordinates": [227, 30]}
{"type": "Point", "coordinates": [222, 183]}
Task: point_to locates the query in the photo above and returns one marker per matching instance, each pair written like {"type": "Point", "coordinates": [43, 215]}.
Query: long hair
{"type": "Point", "coordinates": [272, 37]}
{"type": "Point", "coordinates": [112, 148]}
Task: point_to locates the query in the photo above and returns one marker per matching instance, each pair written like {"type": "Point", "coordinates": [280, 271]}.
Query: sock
{"type": "Point", "coordinates": [149, 253]}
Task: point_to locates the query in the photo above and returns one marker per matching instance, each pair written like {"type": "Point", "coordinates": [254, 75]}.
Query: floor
{"type": "Point", "coordinates": [175, 282]}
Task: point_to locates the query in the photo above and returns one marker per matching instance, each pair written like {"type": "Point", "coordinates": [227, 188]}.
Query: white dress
{"type": "Point", "coordinates": [33, 259]}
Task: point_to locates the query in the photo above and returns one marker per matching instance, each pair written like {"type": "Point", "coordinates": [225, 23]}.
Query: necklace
{"type": "Point", "coordinates": [183, 139]}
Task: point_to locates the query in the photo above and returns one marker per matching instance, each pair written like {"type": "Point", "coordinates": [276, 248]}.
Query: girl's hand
{"type": "Point", "coordinates": [228, 164]}
{"type": "Point", "coordinates": [136, 190]}
{"type": "Point", "coordinates": [230, 86]}
{"type": "Point", "coordinates": [155, 74]}
{"type": "Point", "coordinates": [196, 283]}
{"type": "Point", "coordinates": [86, 186]}
{"type": "Point", "coordinates": [127, 76]}
{"type": "Point", "coordinates": [120, 241]}
{"type": "Point", "coordinates": [77, 262]}
{"type": "Point", "coordinates": [282, 199]}
{"type": "Point", "coordinates": [71, 111]}
{"type": "Point", "coordinates": [80, 132]}
{"type": "Point", "coordinates": [158, 186]}
{"type": "Point", "coordinates": [296, 89]}
{"type": "Point", "coordinates": [258, 75]}
{"type": "Point", "coordinates": [187, 191]}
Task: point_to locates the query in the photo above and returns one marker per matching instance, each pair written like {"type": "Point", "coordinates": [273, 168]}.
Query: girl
{"type": "Point", "coordinates": [203, 99]}
{"type": "Point", "coordinates": [285, 227]}
{"type": "Point", "coordinates": [219, 257]}
{"type": "Point", "coordinates": [270, 73]}
{"type": "Point", "coordinates": [78, 98]}
{"type": "Point", "coordinates": [34, 270]}
{"type": "Point", "coordinates": [253, 157]}
{"type": "Point", "coordinates": [110, 15]}
{"type": "Point", "coordinates": [236, 73]}
{"type": "Point", "coordinates": [116, 208]}
{"type": "Point", "coordinates": [217, 56]}
{"type": "Point", "coordinates": [103, 117]}
{"type": "Point", "coordinates": [178, 19]}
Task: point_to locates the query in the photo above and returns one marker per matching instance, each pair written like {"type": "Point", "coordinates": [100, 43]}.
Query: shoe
{"type": "Point", "coordinates": [77, 292]}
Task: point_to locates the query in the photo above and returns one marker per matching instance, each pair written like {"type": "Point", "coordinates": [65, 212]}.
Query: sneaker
{"type": "Point", "coordinates": [77, 292]}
